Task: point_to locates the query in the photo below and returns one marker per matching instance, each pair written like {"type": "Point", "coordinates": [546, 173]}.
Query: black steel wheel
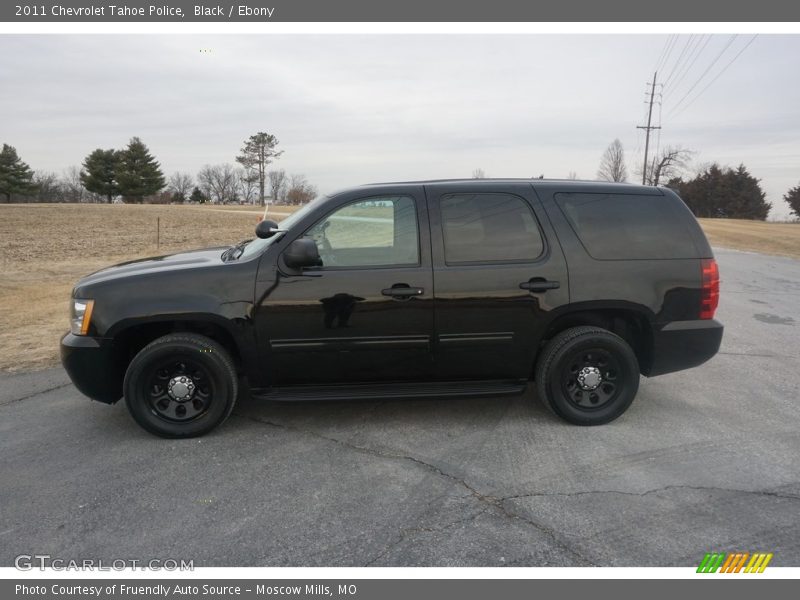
{"type": "Point", "coordinates": [587, 375]}
{"type": "Point", "coordinates": [181, 385]}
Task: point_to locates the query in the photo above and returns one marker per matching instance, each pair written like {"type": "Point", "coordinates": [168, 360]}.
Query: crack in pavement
{"type": "Point", "coordinates": [407, 532]}
{"type": "Point", "coordinates": [375, 452]}
{"type": "Point", "coordinates": [29, 396]}
{"type": "Point", "coordinates": [491, 501]}
{"type": "Point", "coordinates": [655, 491]}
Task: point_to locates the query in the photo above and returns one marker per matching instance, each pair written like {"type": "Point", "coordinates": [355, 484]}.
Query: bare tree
{"type": "Point", "coordinates": [181, 184]}
{"type": "Point", "coordinates": [300, 190]}
{"type": "Point", "coordinates": [206, 178]}
{"type": "Point", "coordinates": [277, 185]}
{"type": "Point", "coordinates": [669, 163]}
{"type": "Point", "coordinates": [612, 165]}
{"type": "Point", "coordinates": [572, 175]}
{"type": "Point", "coordinates": [48, 188]}
{"type": "Point", "coordinates": [73, 186]}
{"type": "Point", "coordinates": [478, 174]}
{"type": "Point", "coordinates": [247, 186]}
{"type": "Point", "coordinates": [218, 182]}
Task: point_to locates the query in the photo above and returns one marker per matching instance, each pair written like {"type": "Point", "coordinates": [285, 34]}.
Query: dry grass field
{"type": "Point", "coordinates": [44, 249]}
{"type": "Point", "coordinates": [782, 239]}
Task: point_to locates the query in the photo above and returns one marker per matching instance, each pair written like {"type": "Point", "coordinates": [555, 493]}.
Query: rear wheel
{"type": "Point", "coordinates": [587, 375]}
{"type": "Point", "coordinates": [181, 385]}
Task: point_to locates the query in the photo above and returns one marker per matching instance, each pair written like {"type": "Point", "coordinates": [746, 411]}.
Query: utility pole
{"type": "Point", "coordinates": [648, 128]}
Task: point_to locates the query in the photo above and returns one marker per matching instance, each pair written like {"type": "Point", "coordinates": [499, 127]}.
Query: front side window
{"type": "Point", "coordinates": [379, 231]}
{"type": "Point", "coordinates": [489, 228]}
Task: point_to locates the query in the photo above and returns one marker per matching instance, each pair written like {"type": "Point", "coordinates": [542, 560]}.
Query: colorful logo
{"type": "Point", "coordinates": [734, 562]}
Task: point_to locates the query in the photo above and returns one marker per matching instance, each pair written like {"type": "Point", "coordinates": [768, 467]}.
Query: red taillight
{"type": "Point", "coordinates": [709, 294]}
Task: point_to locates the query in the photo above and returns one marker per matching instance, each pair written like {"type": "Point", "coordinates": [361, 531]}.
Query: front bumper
{"type": "Point", "coordinates": [684, 344]}
{"type": "Point", "coordinates": [92, 366]}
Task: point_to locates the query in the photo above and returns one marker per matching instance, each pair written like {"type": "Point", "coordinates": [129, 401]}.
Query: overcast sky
{"type": "Point", "coordinates": [351, 109]}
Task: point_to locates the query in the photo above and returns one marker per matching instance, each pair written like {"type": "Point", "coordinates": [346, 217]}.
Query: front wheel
{"type": "Point", "coordinates": [587, 375]}
{"type": "Point", "coordinates": [181, 385]}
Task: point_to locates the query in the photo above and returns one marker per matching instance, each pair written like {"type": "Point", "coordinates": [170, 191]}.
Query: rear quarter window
{"type": "Point", "coordinates": [627, 226]}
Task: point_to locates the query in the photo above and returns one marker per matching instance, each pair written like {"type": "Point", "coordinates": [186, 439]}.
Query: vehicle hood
{"type": "Point", "coordinates": [193, 259]}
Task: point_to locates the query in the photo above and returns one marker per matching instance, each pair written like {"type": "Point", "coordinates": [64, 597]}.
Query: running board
{"type": "Point", "coordinates": [381, 391]}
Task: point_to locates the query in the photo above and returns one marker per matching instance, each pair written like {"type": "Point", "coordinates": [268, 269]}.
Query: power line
{"type": "Point", "coordinates": [639, 133]}
{"type": "Point", "coordinates": [704, 73]}
{"type": "Point", "coordinates": [663, 52]}
{"type": "Point", "coordinates": [701, 46]}
{"type": "Point", "coordinates": [725, 68]}
{"type": "Point", "coordinates": [658, 134]}
{"type": "Point", "coordinates": [689, 41]}
{"type": "Point", "coordinates": [669, 51]}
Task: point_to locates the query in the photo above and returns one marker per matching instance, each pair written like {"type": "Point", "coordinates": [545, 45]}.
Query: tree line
{"type": "Point", "coordinates": [133, 175]}
{"type": "Point", "coordinates": [712, 191]}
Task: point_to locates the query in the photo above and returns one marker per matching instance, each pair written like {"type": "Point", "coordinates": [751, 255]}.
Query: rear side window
{"type": "Point", "coordinates": [627, 226]}
{"type": "Point", "coordinates": [489, 228]}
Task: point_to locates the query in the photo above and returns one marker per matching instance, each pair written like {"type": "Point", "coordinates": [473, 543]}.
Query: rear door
{"type": "Point", "coordinates": [498, 270]}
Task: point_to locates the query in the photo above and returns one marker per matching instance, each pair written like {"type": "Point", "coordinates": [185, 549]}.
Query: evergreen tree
{"type": "Point", "coordinates": [99, 173]}
{"type": "Point", "coordinates": [138, 173]}
{"type": "Point", "coordinates": [792, 198]}
{"type": "Point", "coordinates": [729, 193]}
{"type": "Point", "coordinates": [197, 196]}
{"type": "Point", "coordinates": [748, 200]}
{"type": "Point", "coordinates": [16, 177]}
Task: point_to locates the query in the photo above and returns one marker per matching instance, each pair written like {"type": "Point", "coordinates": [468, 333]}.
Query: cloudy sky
{"type": "Point", "coordinates": [352, 109]}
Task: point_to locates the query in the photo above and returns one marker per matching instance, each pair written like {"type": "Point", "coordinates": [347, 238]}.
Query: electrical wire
{"type": "Point", "coordinates": [663, 52]}
{"type": "Point", "coordinates": [725, 68]}
{"type": "Point", "coordinates": [704, 73]}
{"type": "Point", "coordinates": [658, 131]}
{"type": "Point", "coordinates": [669, 52]}
{"type": "Point", "coordinates": [701, 46]}
{"type": "Point", "coordinates": [690, 40]}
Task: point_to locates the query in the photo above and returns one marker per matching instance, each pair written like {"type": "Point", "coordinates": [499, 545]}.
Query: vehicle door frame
{"type": "Point", "coordinates": [551, 251]}
{"type": "Point", "coordinates": [272, 266]}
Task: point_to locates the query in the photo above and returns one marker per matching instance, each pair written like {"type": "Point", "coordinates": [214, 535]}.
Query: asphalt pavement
{"type": "Point", "coordinates": [707, 459]}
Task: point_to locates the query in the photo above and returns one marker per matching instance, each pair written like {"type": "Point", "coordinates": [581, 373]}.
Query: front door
{"type": "Point", "coordinates": [367, 313]}
{"type": "Point", "coordinates": [498, 270]}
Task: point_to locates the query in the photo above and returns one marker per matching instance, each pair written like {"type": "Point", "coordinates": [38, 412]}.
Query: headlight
{"type": "Point", "coordinates": [81, 316]}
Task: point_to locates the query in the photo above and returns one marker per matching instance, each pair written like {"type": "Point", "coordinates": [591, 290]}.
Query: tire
{"type": "Point", "coordinates": [181, 385]}
{"type": "Point", "coordinates": [587, 376]}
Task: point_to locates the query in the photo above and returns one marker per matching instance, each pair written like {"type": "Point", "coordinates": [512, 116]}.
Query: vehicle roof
{"type": "Point", "coordinates": [573, 184]}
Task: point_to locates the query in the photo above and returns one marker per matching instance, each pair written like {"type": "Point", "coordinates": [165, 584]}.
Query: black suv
{"type": "Point", "coordinates": [419, 289]}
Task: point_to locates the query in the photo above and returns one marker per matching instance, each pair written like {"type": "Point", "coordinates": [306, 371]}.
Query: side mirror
{"type": "Point", "coordinates": [266, 229]}
{"type": "Point", "coordinates": [302, 253]}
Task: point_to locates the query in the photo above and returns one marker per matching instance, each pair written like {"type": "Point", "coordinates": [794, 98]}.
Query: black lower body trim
{"type": "Point", "coordinates": [378, 391]}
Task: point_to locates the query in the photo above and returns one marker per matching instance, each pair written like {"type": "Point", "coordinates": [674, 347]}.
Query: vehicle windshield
{"type": "Point", "coordinates": [258, 245]}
